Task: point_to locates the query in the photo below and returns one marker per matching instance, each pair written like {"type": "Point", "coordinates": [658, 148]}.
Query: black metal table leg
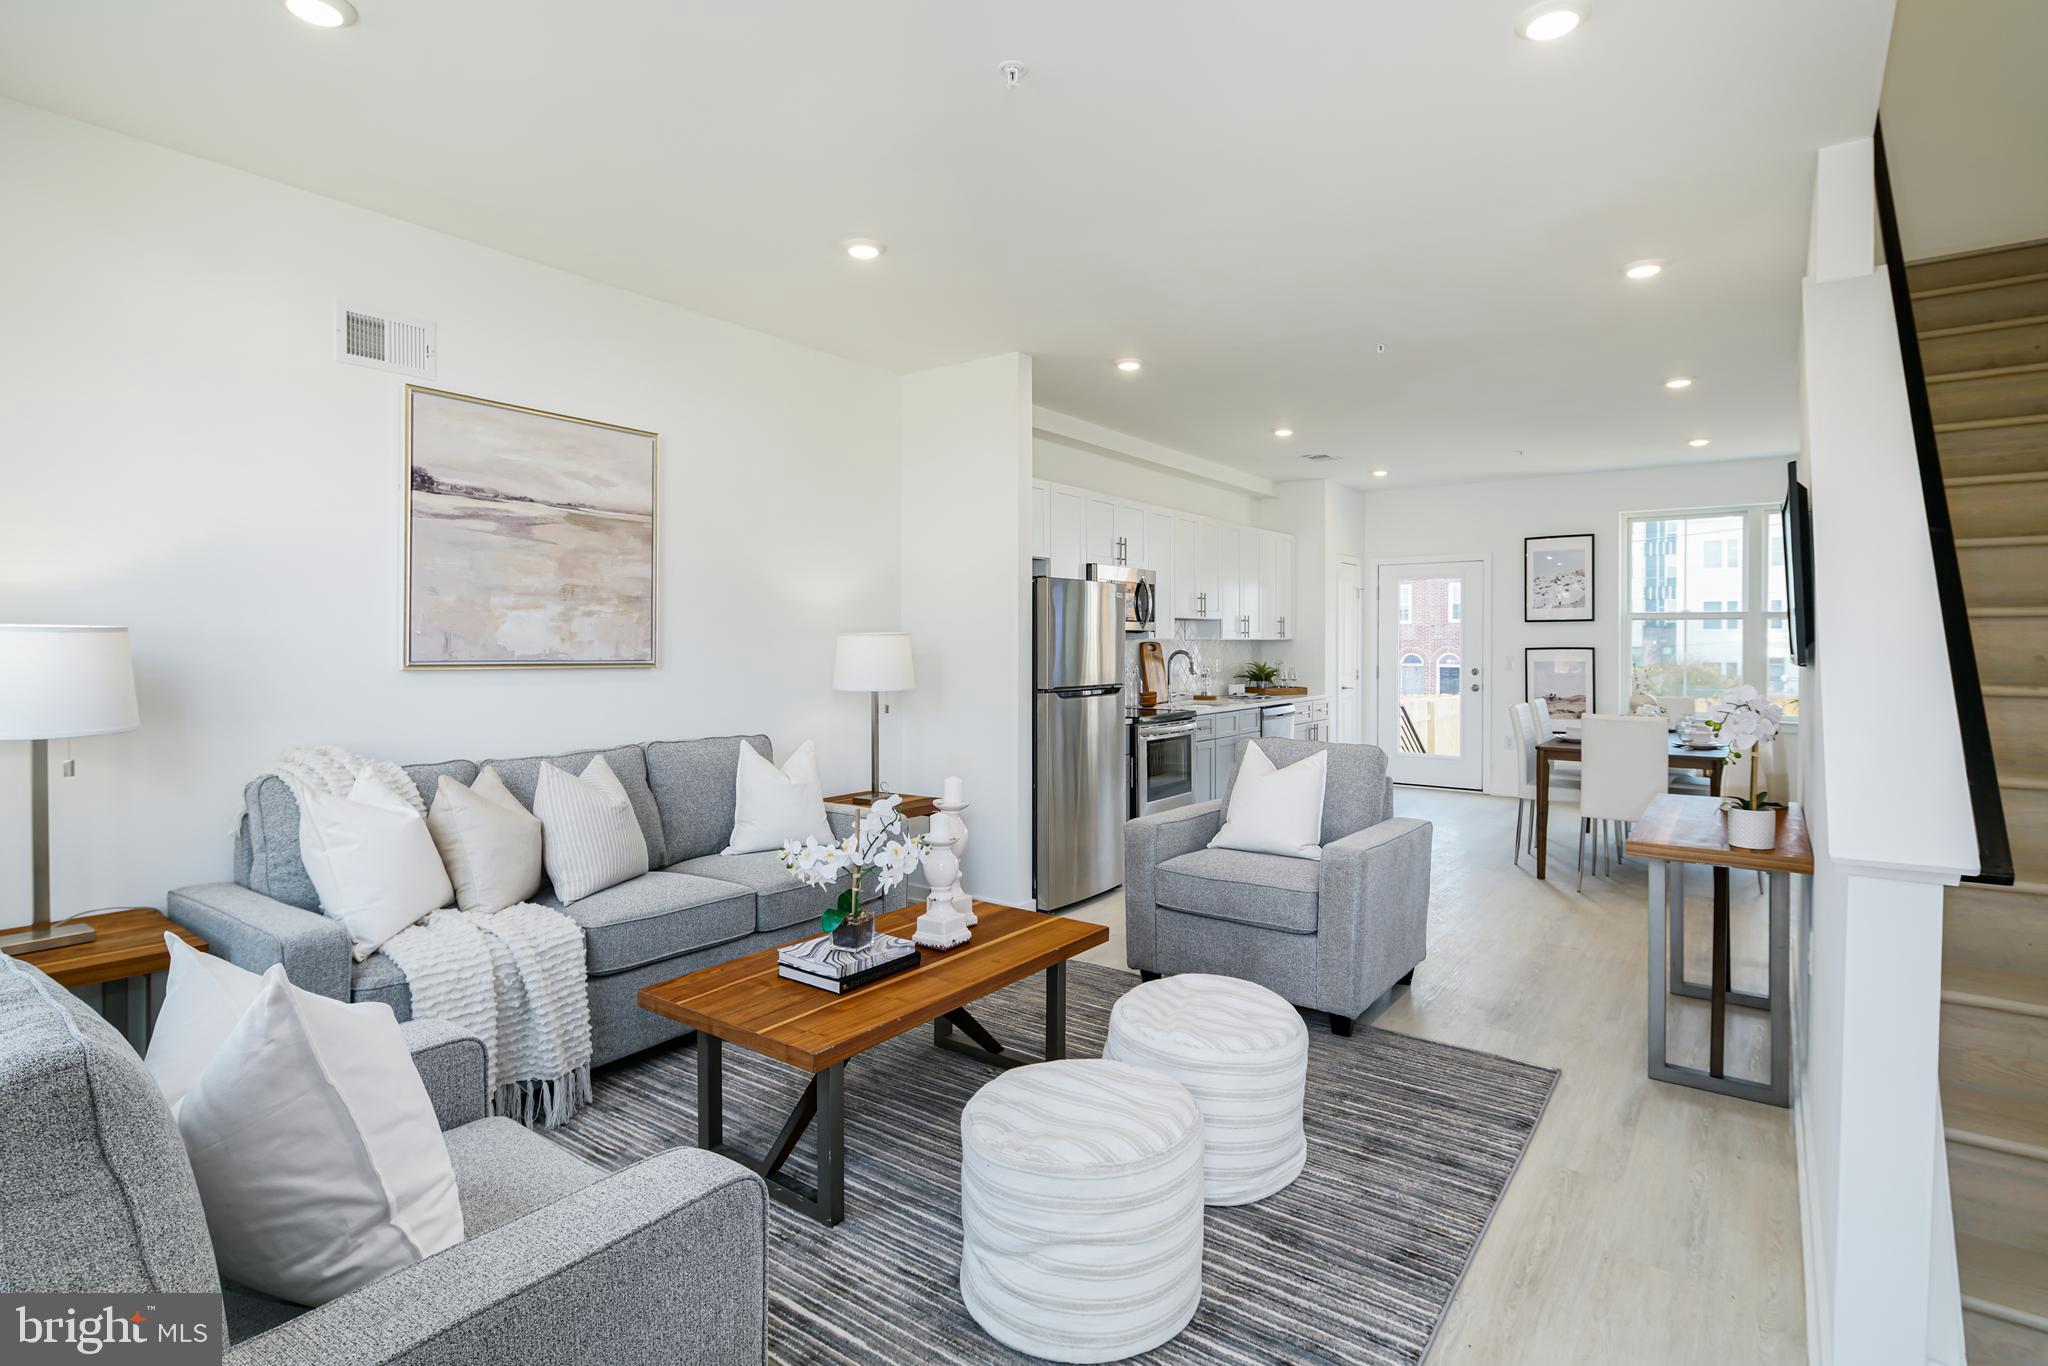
{"type": "Point", "coordinates": [710, 1091]}
{"type": "Point", "coordinates": [1717, 1010]}
{"type": "Point", "coordinates": [1056, 1012]}
{"type": "Point", "coordinates": [829, 1205]}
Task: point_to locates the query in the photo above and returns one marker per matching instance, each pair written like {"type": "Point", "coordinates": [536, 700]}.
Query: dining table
{"type": "Point", "coordinates": [1565, 749]}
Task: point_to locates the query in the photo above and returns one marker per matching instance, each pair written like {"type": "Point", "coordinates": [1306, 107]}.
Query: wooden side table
{"type": "Point", "coordinates": [129, 944]}
{"type": "Point", "coordinates": [911, 808]}
{"type": "Point", "coordinates": [1677, 830]}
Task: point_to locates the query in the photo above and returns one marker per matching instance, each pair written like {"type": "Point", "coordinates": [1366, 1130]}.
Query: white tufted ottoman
{"type": "Point", "coordinates": [1081, 1209]}
{"type": "Point", "coordinates": [1243, 1052]}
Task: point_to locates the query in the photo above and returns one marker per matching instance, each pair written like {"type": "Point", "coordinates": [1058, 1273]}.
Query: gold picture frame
{"type": "Point", "coordinates": [516, 505]}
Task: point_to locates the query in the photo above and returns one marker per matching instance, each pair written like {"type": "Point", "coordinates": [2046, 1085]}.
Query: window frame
{"type": "Point", "coordinates": [1755, 618]}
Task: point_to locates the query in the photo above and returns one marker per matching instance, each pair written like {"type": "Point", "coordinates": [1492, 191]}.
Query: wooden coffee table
{"type": "Point", "coordinates": [746, 1002]}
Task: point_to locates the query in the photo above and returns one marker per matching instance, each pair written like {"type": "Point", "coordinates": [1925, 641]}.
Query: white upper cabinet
{"type": "Point", "coordinates": [1240, 577]}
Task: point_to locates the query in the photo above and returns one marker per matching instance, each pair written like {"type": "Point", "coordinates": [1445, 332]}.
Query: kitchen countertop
{"type": "Point", "coordinates": [1240, 703]}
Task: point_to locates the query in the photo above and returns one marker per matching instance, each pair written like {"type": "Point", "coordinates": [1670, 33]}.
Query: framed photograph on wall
{"type": "Point", "coordinates": [529, 537]}
{"type": "Point", "coordinates": [1557, 578]}
{"type": "Point", "coordinates": [1562, 675]}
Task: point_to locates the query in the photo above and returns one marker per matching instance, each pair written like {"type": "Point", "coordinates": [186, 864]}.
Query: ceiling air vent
{"type": "Point", "coordinates": [384, 342]}
{"type": "Point", "coordinates": [1317, 456]}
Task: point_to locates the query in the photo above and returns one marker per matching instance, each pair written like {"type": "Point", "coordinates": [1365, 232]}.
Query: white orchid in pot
{"type": "Point", "coordinates": [1745, 721]}
{"type": "Point", "coordinates": [879, 849]}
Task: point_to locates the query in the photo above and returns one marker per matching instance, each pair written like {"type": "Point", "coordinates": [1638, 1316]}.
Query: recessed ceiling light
{"type": "Point", "coordinates": [864, 248]}
{"type": "Point", "coordinates": [1379, 474]}
{"type": "Point", "coordinates": [1643, 270]}
{"type": "Point", "coordinates": [1547, 23]}
{"type": "Point", "coordinates": [1697, 441]}
{"type": "Point", "coordinates": [1678, 382]}
{"type": "Point", "coordinates": [1129, 367]}
{"type": "Point", "coordinates": [323, 13]}
{"type": "Point", "coordinates": [1283, 432]}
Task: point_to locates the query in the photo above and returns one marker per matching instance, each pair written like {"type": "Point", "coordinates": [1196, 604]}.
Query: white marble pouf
{"type": "Point", "coordinates": [1243, 1053]}
{"type": "Point", "coordinates": [1081, 1209]}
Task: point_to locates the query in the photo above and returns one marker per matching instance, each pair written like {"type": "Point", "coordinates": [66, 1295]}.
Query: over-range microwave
{"type": "Point", "coordinates": [1140, 593]}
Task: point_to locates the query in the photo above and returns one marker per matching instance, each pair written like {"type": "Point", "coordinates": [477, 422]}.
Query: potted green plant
{"type": "Point", "coordinates": [1259, 674]}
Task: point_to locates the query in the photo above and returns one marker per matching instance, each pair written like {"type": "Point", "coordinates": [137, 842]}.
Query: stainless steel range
{"type": "Point", "coordinates": [1162, 760]}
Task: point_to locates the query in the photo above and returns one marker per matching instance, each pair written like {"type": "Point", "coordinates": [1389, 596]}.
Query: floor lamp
{"type": "Point", "coordinates": [874, 662]}
{"type": "Point", "coordinates": [58, 683]}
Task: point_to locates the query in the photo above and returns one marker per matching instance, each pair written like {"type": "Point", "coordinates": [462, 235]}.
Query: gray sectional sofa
{"type": "Point", "coordinates": [665, 1261]}
{"type": "Point", "coordinates": [695, 908]}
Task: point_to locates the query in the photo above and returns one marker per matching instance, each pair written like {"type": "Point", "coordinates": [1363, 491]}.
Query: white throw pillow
{"type": "Point", "coordinates": [1276, 811]}
{"type": "Point", "coordinates": [319, 1161]}
{"type": "Point", "coordinates": [490, 843]}
{"type": "Point", "coordinates": [773, 804]}
{"type": "Point", "coordinates": [204, 999]}
{"type": "Point", "coordinates": [591, 838]}
{"type": "Point", "coordinates": [372, 861]}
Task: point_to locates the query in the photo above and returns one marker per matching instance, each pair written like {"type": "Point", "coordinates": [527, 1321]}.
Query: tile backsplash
{"type": "Point", "coordinates": [1225, 657]}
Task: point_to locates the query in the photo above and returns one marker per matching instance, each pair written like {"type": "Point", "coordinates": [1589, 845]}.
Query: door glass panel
{"type": "Point", "coordinates": [1429, 645]}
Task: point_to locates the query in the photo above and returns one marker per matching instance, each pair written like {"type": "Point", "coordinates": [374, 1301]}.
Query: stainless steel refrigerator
{"type": "Point", "coordinates": [1077, 737]}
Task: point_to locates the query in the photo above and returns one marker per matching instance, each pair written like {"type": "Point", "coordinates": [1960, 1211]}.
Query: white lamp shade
{"type": "Point", "coordinates": [62, 681]}
{"type": "Point", "coordinates": [874, 661]}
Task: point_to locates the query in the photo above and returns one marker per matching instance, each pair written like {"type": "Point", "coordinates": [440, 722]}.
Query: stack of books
{"type": "Point", "coordinates": [821, 963]}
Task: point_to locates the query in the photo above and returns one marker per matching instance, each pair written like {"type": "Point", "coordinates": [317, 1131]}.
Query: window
{"type": "Point", "coordinates": [1457, 608]}
{"type": "Point", "coordinates": [1706, 606]}
{"type": "Point", "coordinates": [1447, 674]}
{"type": "Point", "coordinates": [1413, 683]}
{"type": "Point", "coordinates": [1408, 606]}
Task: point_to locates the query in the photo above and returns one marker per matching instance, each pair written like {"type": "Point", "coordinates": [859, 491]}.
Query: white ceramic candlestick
{"type": "Point", "coordinates": [948, 821]}
{"type": "Point", "coordinates": [947, 911]}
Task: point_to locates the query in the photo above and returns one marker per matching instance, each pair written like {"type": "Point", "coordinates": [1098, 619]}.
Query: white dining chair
{"type": "Point", "coordinates": [1624, 762]}
{"type": "Point", "coordinates": [1524, 718]}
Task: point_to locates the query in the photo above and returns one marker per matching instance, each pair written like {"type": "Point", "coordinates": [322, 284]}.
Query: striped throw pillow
{"type": "Point", "coordinates": [590, 839]}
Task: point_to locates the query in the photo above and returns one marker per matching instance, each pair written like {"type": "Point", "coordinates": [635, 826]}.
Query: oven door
{"type": "Point", "coordinates": [1163, 768]}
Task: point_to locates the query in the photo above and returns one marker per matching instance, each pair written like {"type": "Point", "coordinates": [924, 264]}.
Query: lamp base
{"type": "Point", "coordinates": [21, 943]}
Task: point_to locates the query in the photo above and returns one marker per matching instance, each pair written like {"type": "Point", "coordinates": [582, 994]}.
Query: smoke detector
{"type": "Point", "coordinates": [1013, 72]}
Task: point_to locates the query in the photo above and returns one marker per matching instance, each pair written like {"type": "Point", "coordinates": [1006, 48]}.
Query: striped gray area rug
{"type": "Point", "coordinates": [1410, 1147]}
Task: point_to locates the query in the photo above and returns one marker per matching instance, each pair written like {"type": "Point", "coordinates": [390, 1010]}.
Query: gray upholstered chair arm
{"type": "Point", "coordinates": [253, 931]}
{"type": "Point", "coordinates": [664, 1262]}
{"type": "Point", "coordinates": [1373, 906]}
{"type": "Point", "coordinates": [1148, 842]}
{"type": "Point", "coordinates": [450, 1060]}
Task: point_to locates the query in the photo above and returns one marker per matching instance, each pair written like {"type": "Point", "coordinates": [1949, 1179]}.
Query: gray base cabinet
{"type": "Point", "coordinates": [1220, 738]}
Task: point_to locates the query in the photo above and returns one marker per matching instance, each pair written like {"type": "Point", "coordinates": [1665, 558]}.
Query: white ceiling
{"type": "Point", "coordinates": [1966, 124]}
{"type": "Point", "coordinates": [1252, 198]}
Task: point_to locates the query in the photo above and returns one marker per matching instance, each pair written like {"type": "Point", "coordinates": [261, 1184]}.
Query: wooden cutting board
{"type": "Point", "coordinates": [1151, 673]}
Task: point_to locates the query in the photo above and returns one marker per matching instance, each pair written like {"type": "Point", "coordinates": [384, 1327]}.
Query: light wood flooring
{"type": "Point", "coordinates": [1648, 1222]}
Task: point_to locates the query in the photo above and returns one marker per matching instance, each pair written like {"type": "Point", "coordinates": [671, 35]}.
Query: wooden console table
{"type": "Point", "coordinates": [127, 944]}
{"type": "Point", "coordinates": [1678, 830]}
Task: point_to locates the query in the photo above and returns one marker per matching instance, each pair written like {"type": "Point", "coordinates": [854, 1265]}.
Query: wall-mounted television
{"type": "Point", "coordinates": [1796, 516]}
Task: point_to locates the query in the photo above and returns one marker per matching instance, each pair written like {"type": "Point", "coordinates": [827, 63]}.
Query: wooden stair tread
{"type": "Point", "coordinates": [1963, 481]}
{"type": "Point", "coordinates": [2016, 993]}
{"type": "Point", "coordinates": [2003, 1281]}
{"type": "Point", "coordinates": [1977, 286]}
{"type": "Point", "coordinates": [1978, 424]}
{"type": "Point", "coordinates": [2034, 610]}
{"type": "Point", "coordinates": [2013, 690]}
{"type": "Point", "coordinates": [2004, 1124]}
{"type": "Point", "coordinates": [1994, 542]}
{"type": "Point", "coordinates": [1994, 325]}
{"type": "Point", "coordinates": [2024, 781]}
{"type": "Point", "coordinates": [2035, 367]}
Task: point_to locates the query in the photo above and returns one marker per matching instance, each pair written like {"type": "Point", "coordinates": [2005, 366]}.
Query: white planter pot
{"type": "Point", "coordinates": [1752, 829]}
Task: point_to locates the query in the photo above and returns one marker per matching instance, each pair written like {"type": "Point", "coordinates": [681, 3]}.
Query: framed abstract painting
{"type": "Point", "coordinates": [1562, 675]}
{"type": "Point", "coordinates": [1557, 578]}
{"type": "Point", "coordinates": [529, 537]}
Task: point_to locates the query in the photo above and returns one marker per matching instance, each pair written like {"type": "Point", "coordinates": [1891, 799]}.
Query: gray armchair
{"type": "Point", "coordinates": [1332, 935]}
{"type": "Point", "coordinates": [665, 1261]}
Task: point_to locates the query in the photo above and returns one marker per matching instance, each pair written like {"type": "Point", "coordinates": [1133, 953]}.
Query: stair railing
{"type": "Point", "coordinates": [1994, 844]}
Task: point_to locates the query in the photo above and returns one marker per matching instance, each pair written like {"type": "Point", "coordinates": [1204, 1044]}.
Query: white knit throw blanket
{"type": "Point", "coordinates": [515, 977]}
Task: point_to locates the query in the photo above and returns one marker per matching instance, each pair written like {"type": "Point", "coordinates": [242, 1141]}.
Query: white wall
{"type": "Point", "coordinates": [1465, 520]}
{"type": "Point", "coordinates": [1062, 461]}
{"type": "Point", "coordinates": [183, 454]}
{"type": "Point", "coordinates": [966, 471]}
{"type": "Point", "coordinates": [1877, 1227]}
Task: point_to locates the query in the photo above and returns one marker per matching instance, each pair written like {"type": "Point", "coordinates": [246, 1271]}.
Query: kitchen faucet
{"type": "Point", "coordinates": [1178, 654]}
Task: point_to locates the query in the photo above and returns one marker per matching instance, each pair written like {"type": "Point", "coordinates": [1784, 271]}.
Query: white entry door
{"type": "Point", "coordinates": [1428, 667]}
{"type": "Point", "coordinates": [1350, 651]}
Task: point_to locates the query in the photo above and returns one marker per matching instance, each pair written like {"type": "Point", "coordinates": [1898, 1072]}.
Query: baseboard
{"type": "Point", "coordinates": [1809, 1243]}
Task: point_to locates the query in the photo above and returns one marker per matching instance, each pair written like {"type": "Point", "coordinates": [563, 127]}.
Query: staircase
{"type": "Point", "coordinates": [1982, 321]}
